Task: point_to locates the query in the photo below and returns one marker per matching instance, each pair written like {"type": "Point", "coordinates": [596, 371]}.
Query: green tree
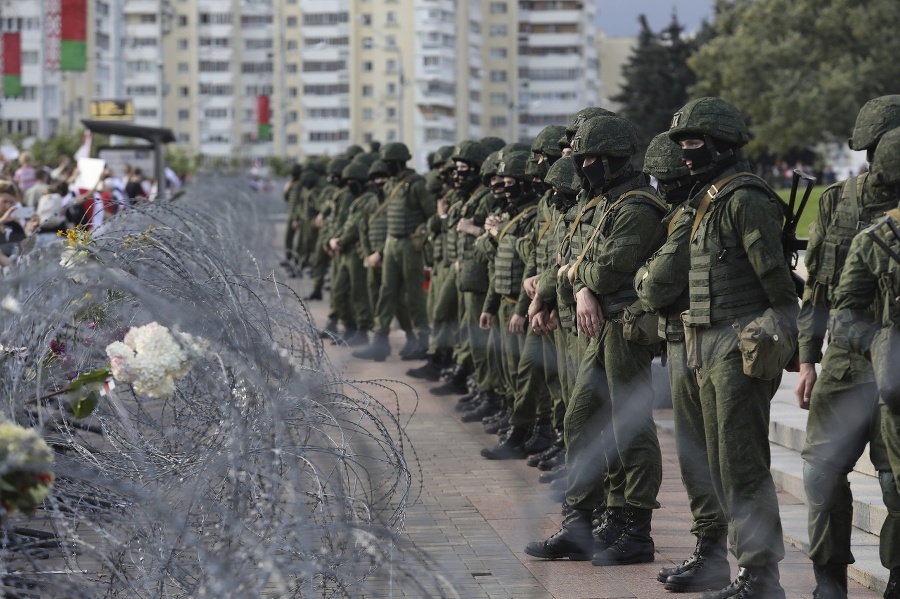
{"type": "Point", "coordinates": [280, 166]}
{"type": "Point", "coordinates": [799, 70]}
{"type": "Point", "coordinates": [656, 78]}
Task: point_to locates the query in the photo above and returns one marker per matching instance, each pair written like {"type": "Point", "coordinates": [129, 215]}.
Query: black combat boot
{"type": "Point", "coordinates": [378, 350]}
{"type": "Point", "coordinates": [553, 461]}
{"type": "Point", "coordinates": [430, 371]}
{"type": "Point", "coordinates": [542, 437]}
{"type": "Point", "coordinates": [558, 471]}
{"type": "Point", "coordinates": [468, 401]}
{"type": "Point", "coordinates": [612, 523]}
{"type": "Point", "coordinates": [454, 386]}
{"type": "Point", "coordinates": [498, 422]}
{"type": "Point", "coordinates": [758, 582]}
{"type": "Point", "coordinates": [356, 338]}
{"type": "Point", "coordinates": [573, 540]}
{"type": "Point", "coordinates": [893, 586]}
{"type": "Point", "coordinates": [706, 569]}
{"type": "Point", "coordinates": [512, 447]}
{"type": "Point", "coordinates": [534, 460]}
{"type": "Point", "coordinates": [831, 582]}
{"type": "Point", "coordinates": [410, 346]}
{"type": "Point", "coordinates": [315, 295]}
{"type": "Point", "coordinates": [634, 545]}
{"type": "Point", "coordinates": [491, 404]}
{"type": "Point", "coordinates": [421, 350]}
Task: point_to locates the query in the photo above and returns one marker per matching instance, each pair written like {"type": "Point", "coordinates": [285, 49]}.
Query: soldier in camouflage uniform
{"type": "Point", "coordinates": [739, 279]}
{"type": "Point", "coordinates": [372, 223]}
{"type": "Point", "coordinates": [842, 401]}
{"type": "Point", "coordinates": [864, 320]}
{"type": "Point", "coordinates": [609, 420]}
{"type": "Point", "coordinates": [409, 207]}
{"type": "Point", "coordinates": [662, 286]}
{"type": "Point", "coordinates": [325, 202]}
{"type": "Point", "coordinates": [312, 181]}
{"type": "Point", "coordinates": [292, 197]}
{"type": "Point", "coordinates": [349, 290]}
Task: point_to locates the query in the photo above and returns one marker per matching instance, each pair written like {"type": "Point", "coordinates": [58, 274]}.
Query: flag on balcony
{"type": "Point", "coordinates": [262, 118]}
{"type": "Point", "coordinates": [73, 35]}
{"type": "Point", "coordinates": [12, 65]}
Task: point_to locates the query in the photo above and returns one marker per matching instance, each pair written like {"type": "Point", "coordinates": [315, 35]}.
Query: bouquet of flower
{"type": "Point", "coordinates": [25, 468]}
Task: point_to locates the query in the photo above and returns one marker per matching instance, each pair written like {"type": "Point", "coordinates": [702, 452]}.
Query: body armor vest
{"type": "Point", "coordinates": [454, 213]}
{"type": "Point", "coordinates": [403, 218]}
{"type": "Point", "coordinates": [851, 215]}
{"type": "Point", "coordinates": [544, 248]}
{"type": "Point", "coordinates": [508, 265]}
{"type": "Point", "coordinates": [377, 227]}
{"type": "Point", "coordinates": [722, 284]}
{"type": "Point", "coordinates": [465, 243]}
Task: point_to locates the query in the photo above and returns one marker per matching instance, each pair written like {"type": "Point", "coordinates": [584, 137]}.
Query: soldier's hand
{"type": "Point", "coordinates": [320, 220]}
{"type": "Point", "coordinates": [516, 324]}
{"type": "Point", "coordinates": [570, 275]}
{"type": "Point", "coordinates": [804, 387]}
{"type": "Point", "coordinates": [553, 322]}
{"type": "Point", "coordinates": [442, 207]}
{"type": "Point", "coordinates": [537, 305]}
{"type": "Point", "coordinates": [484, 321]}
{"type": "Point", "coordinates": [562, 269]}
{"type": "Point", "coordinates": [294, 225]}
{"type": "Point", "coordinates": [588, 313]}
{"type": "Point", "coordinates": [373, 260]}
{"type": "Point", "coordinates": [463, 224]}
{"type": "Point", "coordinates": [456, 266]}
{"type": "Point", "coordinates": [530, 285]}
{"type": "Point", "coordinates": [335, 244]}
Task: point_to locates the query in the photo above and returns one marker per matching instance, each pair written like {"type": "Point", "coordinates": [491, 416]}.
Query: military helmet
{"type": "Point", "coordinates": [581, 116]}
{"type": "Point", "coordinates": [886, 162]}
{"type": "Point", "coordinates": [352, 151]}
{"type": "Point", "coordinates": [515, 147]}
{"type": "Point", "coordinates": [545, 142]}
{"type": "Point", "coordinates": [531, 168]}
{"type": "Point", "coordinates": [563, 176]}
{"type": "Point", "coordinates": [365, 159]}
{"type": "Point", "coordinates": [663, 159]}
{"type": "Point", "coordinates": [316, 165]}
{"type": "Point", "coordinates": [491, 143]}
{"type": "Point", "coordinates": [489, 166]}
{"type": "Point", "coordinates": [440, 156]}
{"type": "Point", "coordinates": [378, 169]}
{"type": "Point", "coordinates": [712, 117]}
{"type": "Point", "coordinates": [513, 164]}
{"type": "Point", "coordinates": [875, 118]}
{"type": "Point", "coordinates": [296, 170]}
{"type": "Point", "coordinates": [471, 152]}
{"type": "Point", "coordinates": [395, 151]}
{"type": "Point", "coordinates": [606, 135]}
{"type": "Point", "coordinates": [355, 170]}
{"type": "Point", "coordinates": [336, 166]}
{"type": "Point", "coordinates": [563, 143]}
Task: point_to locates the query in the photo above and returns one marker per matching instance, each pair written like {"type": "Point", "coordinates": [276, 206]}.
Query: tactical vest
{"type": "Point", "coordinates": [604, 217]}
{"type": "Point", "coordinates": [560, 233]}
{"type": "Point", "coordinates": [403, 218]}
{"type": "Point", "coordinates": [451, 235]}
{"type": "Point", "coordinates": [465, 243]}
{"type": "Point", "coordinates": [722, 284]}
{"type": "Point", "coordinates": [508, 265]}
{"type": "Point", "coordinates": [544, 248]}
{"type": "Point", "coordinates": [377, 225]}
{"type": "Point", "coordinates": [889, 280]}
{"type": "Point", "coordinates": [851, 215]}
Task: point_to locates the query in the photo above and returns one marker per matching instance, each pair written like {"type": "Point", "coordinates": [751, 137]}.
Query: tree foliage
{"type": "Point", "coordinates": [656, 78]}
{"type": "Point", "coordinates": [799, 70]}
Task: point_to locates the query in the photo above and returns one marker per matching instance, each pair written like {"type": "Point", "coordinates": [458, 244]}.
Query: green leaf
{"type": "Point", "coordinates": [84, 406]}
{"type": "Point", "coordinates": [89, 378]}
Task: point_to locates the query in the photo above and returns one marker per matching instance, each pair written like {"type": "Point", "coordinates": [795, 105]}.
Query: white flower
{"type": "Point", "coordinates": [151, 358]}
{"type": "Point", "coordinates": [11, 304]}
{"type": "Point", "coordinates": [22, 449]}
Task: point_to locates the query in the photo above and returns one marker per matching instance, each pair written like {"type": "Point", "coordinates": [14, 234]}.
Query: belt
{"type": "Point", "coordinates": [510, 299]}
{"type": "Point", "coordinates": [404, 236]}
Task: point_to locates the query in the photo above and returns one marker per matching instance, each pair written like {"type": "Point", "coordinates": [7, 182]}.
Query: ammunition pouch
{"type": "Point", "coordinates": [473, 276]}
{"type": "Point", "coordinates": [766, 345]}
{"type": "Point", "coordinates": [640, 326]}
{"type": "Point", "coordinates": [885, 349]}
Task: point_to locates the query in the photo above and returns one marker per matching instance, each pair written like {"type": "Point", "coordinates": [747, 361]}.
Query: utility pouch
{"type": "Point", "coordinates": [640, 326]}
{"type": "Point", "coordinates": [417, 238]}
{"type": "Point", "coordinates": [691, 343]}
{"type": "Point", "coordinates": [885, 349]}
{"type": "Point", "coordinates": [473, 276]}
{"type": "Point", "coordinates": [766, 346]}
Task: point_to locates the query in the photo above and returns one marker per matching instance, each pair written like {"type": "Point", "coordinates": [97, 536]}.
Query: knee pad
{"type": "Point", "coordinates": [889, 492]}
{"type": "Point", "coordinates": [821, 486]}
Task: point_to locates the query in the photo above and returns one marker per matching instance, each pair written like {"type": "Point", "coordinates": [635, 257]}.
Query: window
{"type": "Point", "coordinates": [143, 42]}
{"type": "Point", "coordinates": [184, 67]}
{"type": "Point", "coordinates": [475, 95]}
{"type": "Point", "coordinates": [391, 135]}
{"type": "Point", "coordinates": [217, 113]}
{"type": "Point", "coordinates": [291, 67]}
{"type": "Point", "coordinates": [498, 30]}
{"type": "Point", "coordinates": [326, 18]}
{"type": "Point", "coordinates": [134, 90]}
{"type": "Point", "coordinates": [223, 18]}
{"type": "Point", "coordinates": [29, 58]}
{"type": "Point", "coordinates": [367, 90]}
{"type": "Point", "coordinates": [497, 8]}
{"type": "Point", "coordinates": [329, 135]}
{"type": "Point", "coordinates": [498, 53]}
{"type": "Point", "coordinates": [367, 66]}
{"type": "Point", "coordinates": [182, 20]}
{"type": "Point", "coordinates": [498, 121]}
{"type": "Point", "coordinates": [184, 137]}
{"type": "Point", "coordinates": [366, 19]}
{"type": "Point", "coordinates": [367, 43]}
{"type": "Point", "coordinates": [367, 114]}
{"type": "Point", "coordinates": [184, 114]}
{"type": "Point", "coordinates": [475, 119]}
{"type": "Point", "coordinates": [328, 113]}
{"type": "Point", "coordinates": [256, 67]}
{"type": "Point", "coordinates": [326, 90]}
{"type": "Point", "coordinates": [265, 44]}
{"type": "Point", "coordinates": [292, 21]}
{"type": "Point", "coordinates": [474, 26]}
{"type": "Point", "coordinates": [391, 112]}
{"type": "Point", "coordinates": [391, 88]}
{"type": "Point", "coordinates": [292, 45]}
{"type": "Point", "coordinates": [255, 20]}
{"type": "Point", "coordinates": [390, 41]}
{"type": "Point", "coordinates": [391, 65]}
{"type": "Point", "coordinates": [292, 116]}
{"type": "Point", "coordinates": [497, 76]}
{"type": "Point", "coordinates": [292, 92]}
{"type": "Point", "coordinates": [146, 113]}
{"type": "Point", "coordinates": [498, 100]}
{"type": "Point", "coordinates": [215, 66]}
{"type": "Point", "coordinates": [182, 44]}
{"type": "Point", "coordinates": [292, 139]}
{"type": "Point", "coordinates": [184, 91]}
{"type": "Point", "coordinates": [391, 18]}
{"type": "Point", "coordinates": [216, 90]}
{"type": "Point", "coordinates": [431, 61]}
{"type": "Point", "coordinates": [323, 66]}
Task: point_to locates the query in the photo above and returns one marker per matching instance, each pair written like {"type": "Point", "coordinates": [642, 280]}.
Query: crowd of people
{"type": "Point", "coordinates": [37, 201]}
{"type": "Point", "coordinates": [558, 271]}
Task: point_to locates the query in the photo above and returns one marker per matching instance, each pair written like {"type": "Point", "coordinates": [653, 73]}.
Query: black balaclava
{"type": "Point", "coordinates": [563, 200]}
{"type": "Point", "coordinates": [394, 167]}
{"type": "Point", "coordinates": [607, 172]}
{"type": "Point", "coordinates": [466, 180]}
{"type": "Point", "coordinates": [356, 187]}
{"type": "Point", "coordinates": [711, 159]}
{"type": "Point", "coordinates": [677, 190]}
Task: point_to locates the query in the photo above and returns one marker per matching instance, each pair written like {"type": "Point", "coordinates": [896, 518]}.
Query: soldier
{"type": "Point", "coordinates": [662, 286]}
{"type": "Point", "coordinates": [740, 285]}
{"type": "Point", "coordinates": [866, 299]}
{"type": "Point", "coordinates": [292, 191]}
{"type": "Point", "coordinates": [349, 296]}
{"type": "Point", "coordinates": [325, 203]}
{"type": "Point", "coordinates": [313, 182]}
{"type": "Point", "coordinates": [842, 401]}
{"type": "Point", "coordinates": [409, 206]}
{"type": "Point", "coordinates": [609, 420]}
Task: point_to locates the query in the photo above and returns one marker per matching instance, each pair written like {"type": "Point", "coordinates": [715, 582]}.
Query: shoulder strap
{"type": "Point", "coordinates": [858, 183]}
{"type": "Point", "coordinates": [647, 195]}
{"type": "Point", "coordinates": [894, 214]}
{"type": "Point", "coordinates": [672, 223]}
{"type": "Point", "coordinates": [548, 220]}
{"type": "Point", "coordinates": [592, 204]}
{"type": "Point", "coordinates": [516, 219]}
{"type": "Point", "coordinates": [599, 227]}
{"type": "Point", "coordinates": [384, 204]}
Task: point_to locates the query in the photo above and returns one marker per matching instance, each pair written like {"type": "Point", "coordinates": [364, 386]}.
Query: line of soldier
{"type": "Point", "coordinates": [559, 272]}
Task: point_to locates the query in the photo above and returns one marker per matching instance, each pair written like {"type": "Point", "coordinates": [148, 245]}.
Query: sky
{"type": "Point", "coordinates": [620, 17]}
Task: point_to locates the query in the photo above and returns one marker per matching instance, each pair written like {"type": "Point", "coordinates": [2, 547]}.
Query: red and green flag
{"type": "Point", "coordinates": [73, 35]}
{"type": "Point", "coordinates": [12, 65]}
{"type": "Point", "coordinates": [264, 131]}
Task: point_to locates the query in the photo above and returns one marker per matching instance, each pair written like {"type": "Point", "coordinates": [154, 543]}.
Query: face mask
{"type": "Point", "coordinates": [543, 168]}
{"type": "Point", "coordinates": [355, 187]}
{"type": "Point", "coordinates": [513, 192]}
{"type": "Point", "coordinates": [498, 190]}
{"type": "Point", "coordinates": [563, 201]}
{"type": "Point", "coordinates": [393, 168]}
{"type": "Point", "coordinates": [594, 173]}
{"type": "Point", "coordinates": [700, 158]}
{"type": "Point", "coordinates": [675, 192]}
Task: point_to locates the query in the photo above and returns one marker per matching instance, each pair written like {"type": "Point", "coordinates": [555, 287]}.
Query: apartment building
{"type": "Point", "coordinates": [329, 72]}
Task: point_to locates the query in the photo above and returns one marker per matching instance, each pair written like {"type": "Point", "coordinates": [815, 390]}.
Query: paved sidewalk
{"type": "Point", "coordinates": [475, 516]}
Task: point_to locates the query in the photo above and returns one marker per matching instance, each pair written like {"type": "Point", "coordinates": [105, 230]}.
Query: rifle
{"type": "Point", "coordinates": [789, 241]}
